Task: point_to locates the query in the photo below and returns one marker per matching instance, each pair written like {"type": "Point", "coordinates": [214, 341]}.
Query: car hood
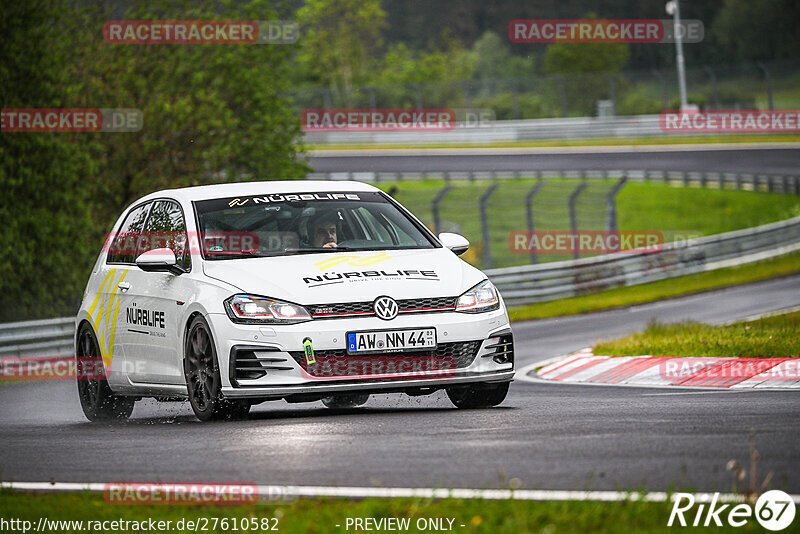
{"type": "Point", "coordinates": [349, 276]}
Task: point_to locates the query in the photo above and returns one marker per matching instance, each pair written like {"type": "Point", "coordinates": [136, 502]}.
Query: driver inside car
{"type": "Point", "coordinates": [323, 231]}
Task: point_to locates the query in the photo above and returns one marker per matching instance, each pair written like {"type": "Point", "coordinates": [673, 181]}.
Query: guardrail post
{"type": "Point", "coordinates": [611, 204]}
{"type": "Point", "coordinates": [770, 183]}
{"type": "Point", "coordinates": [721, 181]}
{"type": "Point", "coordinates": [573, 217]}
{"type": "Point", "coordinates": [437, 223]}
{"type": "Point", "coordinates": [785, 189]}
{"type": "Point", "coordinates": [685, 178]}
{"type": "Point", "coordinates": [797, 186]}
{"type": "Point", "coordinates": [529, 212]}
{"type": "Point", "coordinates": [703, 179]}
{"type": "Point", "coordinates": [768, 80]}
{"type": "Point", "coordinates": [738, 181]}
{"type": "Point", "coordinates": [487, 254]}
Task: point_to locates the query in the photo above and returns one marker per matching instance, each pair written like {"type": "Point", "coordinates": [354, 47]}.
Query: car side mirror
{"type": "Point", "coordinates": [159, 260]}
{"type": "Point", "coordinates": [457, 243]}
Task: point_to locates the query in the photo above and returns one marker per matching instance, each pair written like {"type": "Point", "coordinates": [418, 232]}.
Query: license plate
{"type": "Point", "coordinates": [391, 340]}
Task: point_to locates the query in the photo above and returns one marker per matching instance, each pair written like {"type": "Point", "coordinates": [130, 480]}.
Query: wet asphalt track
{"type": "Point", "coordinates": [729, 159]}
{"type": "Point", "coordinates": [548, 435]}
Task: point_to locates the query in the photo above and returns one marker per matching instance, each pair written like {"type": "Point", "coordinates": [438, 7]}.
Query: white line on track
{"type": "Point", "coordinates": [426, 493]}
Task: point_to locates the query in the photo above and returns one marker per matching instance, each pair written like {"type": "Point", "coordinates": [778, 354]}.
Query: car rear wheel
{"type": "Point", "coordinates": [203, 381]}
{"type": "Point", "coordinates": [98, 402]}
{"type": "Point", "coordinates": [478, 395]}
{"type": "Point", "coordinates": [345, 401]}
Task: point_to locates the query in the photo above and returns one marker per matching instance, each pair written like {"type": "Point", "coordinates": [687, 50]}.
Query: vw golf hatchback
{"type": "Point", "coordinates": [231, 295]}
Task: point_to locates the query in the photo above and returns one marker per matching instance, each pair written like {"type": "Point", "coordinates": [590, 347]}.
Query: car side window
{"type": "Point", "coordinates": [123, 247]}
{"type": "Point", "coordinates": [166, 228]}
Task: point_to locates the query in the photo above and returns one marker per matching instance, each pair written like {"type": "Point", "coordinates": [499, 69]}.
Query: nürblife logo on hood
{"type": "Point", "coordinates": [362, 276]}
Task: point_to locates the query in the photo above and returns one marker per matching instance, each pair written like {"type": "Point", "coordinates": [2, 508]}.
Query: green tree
{"type": "Point", "coordinates": [768, 29]}
{"type": "Point", "coordinates": [212, 112]}
{"type": "Point", "coordinates": [340, 41]}
{"type": "Point", "coordinates": [45, 252]}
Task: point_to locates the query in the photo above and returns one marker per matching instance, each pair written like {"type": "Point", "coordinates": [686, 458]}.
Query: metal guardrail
{"type": "Point", "coordinates": [550, 281]}
{"type": "Point", "coordinates": [48, 337]}
{"type": "Point", "coordinates": [632, 126]}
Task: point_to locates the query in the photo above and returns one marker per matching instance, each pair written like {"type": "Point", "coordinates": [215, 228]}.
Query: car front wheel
{"type": "Point", "coordinates": [203, 381]}
{"type": "Point", "coordinates": [478, 395]}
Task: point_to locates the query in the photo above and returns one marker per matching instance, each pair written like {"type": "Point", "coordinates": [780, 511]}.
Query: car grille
{"type": "Point", "coordinates": [364, 309]}
{"type": "Point", "coordinates": [461, 353]}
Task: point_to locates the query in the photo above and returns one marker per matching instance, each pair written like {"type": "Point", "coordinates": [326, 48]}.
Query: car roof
{"type": "Point", "coordinates": [207, 192]}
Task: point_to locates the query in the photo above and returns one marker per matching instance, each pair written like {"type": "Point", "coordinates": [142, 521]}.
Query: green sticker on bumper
{"type": "Point", "coordinates": [309, 350]}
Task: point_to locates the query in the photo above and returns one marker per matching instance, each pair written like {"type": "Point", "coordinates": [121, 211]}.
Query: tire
{"type": "Point", "coordinates": [203, 381]}
{"type": "Point", "coordinates": [478, 395]}
{"type": "Point", "coordinates": [346, 401]}
{"type": "Point", "coordinates": [98, 402]}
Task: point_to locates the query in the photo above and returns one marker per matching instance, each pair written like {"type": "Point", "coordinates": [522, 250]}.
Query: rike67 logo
{"type": "Point", "coordinates": [774, 510]}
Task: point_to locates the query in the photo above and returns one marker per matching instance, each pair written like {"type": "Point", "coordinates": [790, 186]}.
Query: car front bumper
{"type": "Point", "coordinates": [276, 348]}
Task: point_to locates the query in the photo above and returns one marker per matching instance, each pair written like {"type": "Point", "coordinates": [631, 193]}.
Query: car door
{"type": "Point", "coordinates": [107, 312]}
{"type": "Point", "coordinates": [156, 300]}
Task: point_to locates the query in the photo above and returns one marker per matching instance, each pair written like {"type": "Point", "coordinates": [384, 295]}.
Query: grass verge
{"type": "Point", "coordinates": [663, 289]}
{"type": "Point", "coordinates": [323, 515]}
{"type": "Point", "coordinates": [769, 337]}
{"type": "Point", "coordinates": [698, 140]}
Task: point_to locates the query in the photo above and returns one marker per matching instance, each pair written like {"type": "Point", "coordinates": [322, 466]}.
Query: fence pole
{"type": "Point", "coordinates": [487, 254]}
{"type": "Point", "coordinates": [664, 98]}
{"type": "Point", "coordinates": [573, 218]}
{"type": "Point", "coordinates": [529, 213]}
{"type": "Point", "coordinates": [514, 101]}
{"type": "Point", "coordinates": [562, 92]}
{"type": "Point", "coordinates": [373, 104]}
{"type": "Point", "coordinates": [611, 204]}
{"type": "Point", "coordinates": [437, 223]}
{"type": "Point", "coordinates": [768, 80]}
{"type": "Point", "coordinates": [713, 78]}
{"type": "Point", "coordinates": [611, 92]}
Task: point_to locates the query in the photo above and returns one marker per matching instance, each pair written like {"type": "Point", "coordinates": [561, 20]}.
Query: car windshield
{"type": "Point", "coordinates": [302, 223]}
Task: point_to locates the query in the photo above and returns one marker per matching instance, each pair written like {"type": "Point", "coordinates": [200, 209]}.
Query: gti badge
{"type": "Point", "coordinates": [386, 308]}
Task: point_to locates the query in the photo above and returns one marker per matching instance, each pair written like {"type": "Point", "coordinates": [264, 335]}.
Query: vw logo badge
{"type": "Point", "coordinates": [386, 308]}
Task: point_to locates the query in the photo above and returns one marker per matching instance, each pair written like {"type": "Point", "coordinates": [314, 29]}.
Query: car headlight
{"type": "Point", "coordinates": [250, 309]}
{"type": "Point", "coordinates": [481, 298]}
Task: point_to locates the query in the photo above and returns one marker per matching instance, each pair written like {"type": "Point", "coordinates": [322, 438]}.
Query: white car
{"type": "Point", "coordinates": [235, 294]}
